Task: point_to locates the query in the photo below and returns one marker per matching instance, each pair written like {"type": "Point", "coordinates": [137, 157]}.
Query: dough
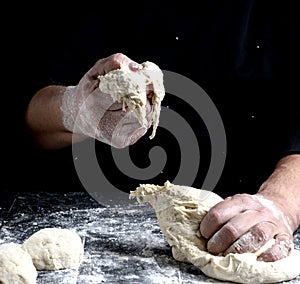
{"type": "Point", "coordinates": [54, 248]}
{"type": "Point", "coordinates": [16, 266]}
{"type": "Point", "coordinates": [129, 87]}
{"type": "Point", "coordinates": [179, 211]}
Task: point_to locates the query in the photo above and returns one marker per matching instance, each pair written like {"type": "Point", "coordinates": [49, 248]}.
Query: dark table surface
{"type": "Point", "coordinates": [122, 244]}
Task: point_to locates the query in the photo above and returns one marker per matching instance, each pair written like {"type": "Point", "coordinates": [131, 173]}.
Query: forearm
{"type": "Point", "coordinates": [44, 119]}
{"type": "Point", "coordinates": [283, 187]}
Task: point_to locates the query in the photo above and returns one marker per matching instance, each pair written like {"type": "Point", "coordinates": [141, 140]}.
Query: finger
{"type": "Point", "coordinates": [103, 101]}
{"type": "Point", "coordinates": [127, 131]}
{"type": "Point", "coordinates": [222, 212]}
{"type": "Point", "coordinates": [150, 90]}
{"type": "Point", "coordinates": [120, 128]}
{"type": "Point", "coordinates": [149, 113]}
{"type": "Point", "coordinates": [134, 66]}
{"type": "Point", "coordinates": [113, 62]}
{"type": "Point", "coordinates": [232, 230]}
{"type": "Point", "coordinates": [98, 100]}
{"type": "Point", "coordinates": [136, 135]}
{"type": "Point", "coordinates": [119, 60]}
{"type": "Point", "coordinates": [254, 239]}
{"type": "Point", "coordinates": [108, 123]}
{"type": "Point", "coordinates": [282, 248]}
{"type": "Point", "coordinates": [116, 106]}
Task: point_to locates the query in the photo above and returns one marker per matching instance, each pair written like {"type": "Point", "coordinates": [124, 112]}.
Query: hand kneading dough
{"type": "Point", "coordinates": [179, 211]}
{"type": "Point", "coordinates": [129, 87]}
{"type": "Point", "coordinates": [55, 248]}
{"type": "Point", "coordinates": [16, 266]}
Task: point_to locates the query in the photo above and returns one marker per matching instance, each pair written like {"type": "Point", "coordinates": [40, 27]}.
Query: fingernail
{"type": "Point", "coordinates": [137, 135]}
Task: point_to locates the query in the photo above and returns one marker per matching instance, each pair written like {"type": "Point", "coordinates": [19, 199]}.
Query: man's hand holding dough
{"type": "Point", "coordinates": [244, 223]}
{"type": "Point", "coordinates": [90, 112]}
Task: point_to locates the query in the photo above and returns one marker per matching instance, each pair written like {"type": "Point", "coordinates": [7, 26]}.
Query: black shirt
{"type": "Point", "coordinates": [243, 54]}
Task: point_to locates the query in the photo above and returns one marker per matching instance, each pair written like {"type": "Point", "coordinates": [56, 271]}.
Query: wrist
{"type": "Point", "coordinates": [283, 188]}
{"type": "Point", "coordinates": [68, 108]}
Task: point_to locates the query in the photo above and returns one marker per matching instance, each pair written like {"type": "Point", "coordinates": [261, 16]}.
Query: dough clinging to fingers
{"type": "Point", "coordinates": [179, 211]}
{"type": "Point", "coordinates": [131, 87]}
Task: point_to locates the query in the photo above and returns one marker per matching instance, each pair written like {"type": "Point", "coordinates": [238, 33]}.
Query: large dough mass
{"type": "Point", "coordinates": [179, 211]}
{"type": "Point", "coordinates": [130, 88]}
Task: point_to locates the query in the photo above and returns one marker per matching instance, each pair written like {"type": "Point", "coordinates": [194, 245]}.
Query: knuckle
{"type": "Point", "coordinates": [214, 216]}
{"type": "Point", "coordinates": [266, 211]}
{"type": "Point", "coordinates": [118, 57]}
{"type": "Point", "coordinates": [261, 233]}
{"type": "Point", "coordinates": [231, 232]}
{"type": "Point", "coordinates": [245, 198]}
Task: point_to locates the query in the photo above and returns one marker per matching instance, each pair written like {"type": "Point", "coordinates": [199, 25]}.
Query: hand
{"type": "Point", "coordinates": [88, 111]}
{"type": "Point", "coordinates": [244, 223]}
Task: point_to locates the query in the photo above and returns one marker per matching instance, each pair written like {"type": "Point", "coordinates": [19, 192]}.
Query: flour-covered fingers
{"type": "Point", "coordinates": [235, 230]}
{"type": "Point", "coordinates": [281, 249]}
{"type": "Point", "coordinates": [254, 239]}
{"type": "Point", "coordinates": [224, 211]}
{"type": "Point", "coordinates": [245, 223]}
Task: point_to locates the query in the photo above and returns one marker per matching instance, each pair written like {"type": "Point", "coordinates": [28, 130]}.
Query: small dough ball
{"type": "Point", "coordinates": [16, 265]}
{"type": "Point", "coordinates": [55, 248]}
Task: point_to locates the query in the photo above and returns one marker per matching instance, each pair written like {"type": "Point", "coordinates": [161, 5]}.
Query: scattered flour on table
{"type": "Point", "coordinates": [120, 242]}
{"type": "Point", "coordinates": [179, 211]}
{"type": "Point", "coordinates": [130, 88]}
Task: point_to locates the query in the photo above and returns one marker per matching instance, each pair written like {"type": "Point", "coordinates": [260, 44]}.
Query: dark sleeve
{"type": "Point", "coordinates": [293, 143]}
{"type": "Point", "coordinates": [37, 56]}
{"type": "Point", "coordinates": [54, 47]}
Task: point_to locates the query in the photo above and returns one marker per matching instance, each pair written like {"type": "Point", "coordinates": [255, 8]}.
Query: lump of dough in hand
{"type": "Point", "coordinates": [16, 265]}
{"type": "Point", "coordinates": [55, 248]}
{"type": "Point", "coordinates": [180, 210]}
{"type": "Point", "coordinates": [130, 88]}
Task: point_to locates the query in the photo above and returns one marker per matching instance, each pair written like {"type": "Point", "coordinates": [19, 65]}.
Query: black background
{"type": "Point", "coordinates": [255, 89]}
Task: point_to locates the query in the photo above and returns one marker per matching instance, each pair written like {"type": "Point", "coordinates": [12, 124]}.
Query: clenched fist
{"type": "Point", "coordinates": [90, 112]}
